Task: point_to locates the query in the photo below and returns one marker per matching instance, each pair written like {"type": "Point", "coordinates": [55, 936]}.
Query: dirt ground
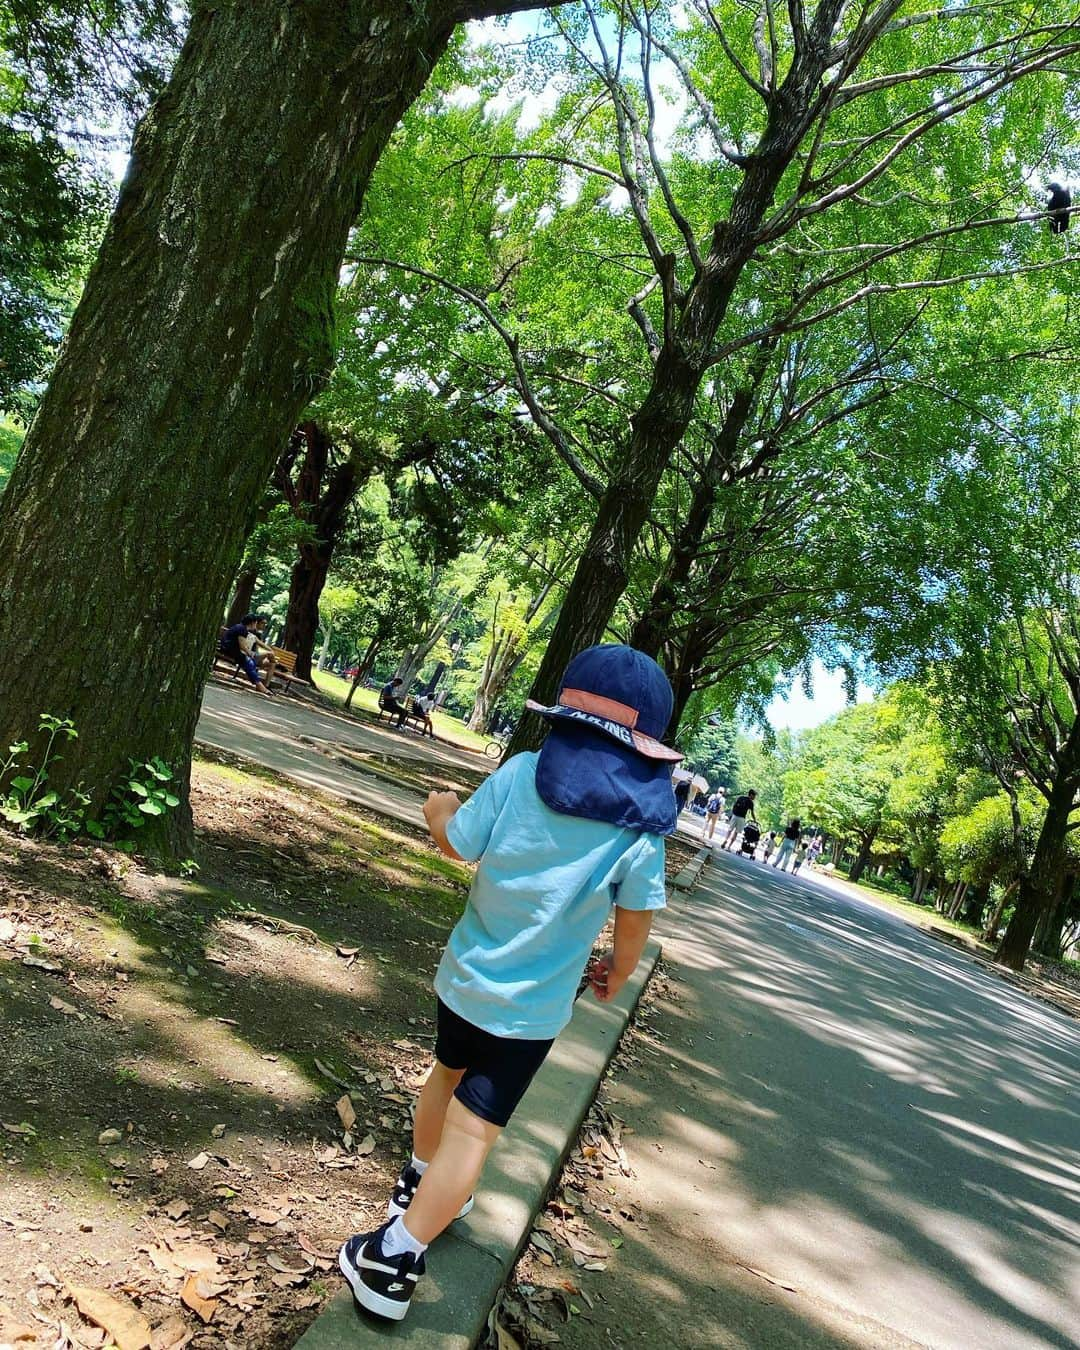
{"type": "Point", "coordinates": [178, 1154]}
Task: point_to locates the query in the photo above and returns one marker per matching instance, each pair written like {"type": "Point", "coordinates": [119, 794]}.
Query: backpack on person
{"type": "Point", "coordinates": [713, 805]}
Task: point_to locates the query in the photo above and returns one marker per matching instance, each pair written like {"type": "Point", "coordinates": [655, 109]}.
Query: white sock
{"type": "Point", "coordinates": [398, 1239]}
{"type": "Point", "coordinates": [418, 1166]}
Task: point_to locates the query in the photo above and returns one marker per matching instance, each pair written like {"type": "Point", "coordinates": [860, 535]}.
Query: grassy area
{"type": "Point", "coordinates": [925, 916]}
{"type": "Point", "coordinates": [447, 728]}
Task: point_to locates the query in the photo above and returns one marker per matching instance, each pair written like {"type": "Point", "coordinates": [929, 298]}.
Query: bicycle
{"type": "Point", "coordinates": [495, 748]}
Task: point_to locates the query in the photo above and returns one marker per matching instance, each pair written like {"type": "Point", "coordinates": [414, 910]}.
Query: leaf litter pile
{"type": "Point", "coordinates": [559, 1279]}
{"type": "Point", "coordinates": [208, 1083]}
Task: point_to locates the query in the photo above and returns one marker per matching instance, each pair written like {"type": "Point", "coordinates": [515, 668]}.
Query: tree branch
{"type": "Point", "coordinates": [540, 415]}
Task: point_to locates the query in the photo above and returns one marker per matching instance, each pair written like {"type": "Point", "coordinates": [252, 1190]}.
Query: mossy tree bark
{"type": "Point", "coordinates": [204, 329]}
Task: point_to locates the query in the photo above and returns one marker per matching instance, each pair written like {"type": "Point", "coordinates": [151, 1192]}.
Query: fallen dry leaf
{"type": "Point", "coordinates": [366, 1145]}
{"type": "Point", "coordinates": [329, 1073]}
{"type": "Point", "coordinates": [109, 1137]}
{"type": "Point", "coordinates": [199, 1161]}
{"type": "Point", "coordinates": [309, 1246]}
{"type": "Point", "coordinates": [23, 1129]}
{"type": "Point", "coordinates": [217, 1219]}
{"type": "Point", "coordinates": [279, 1263]}
{"type": "Point", "coordinates": [58, 1005]}
{"type": "Point", "coordinates": [43, 1275]}
{"type": "Point", "coordinates": [505, 1340]}
{"type": "Point", "coordinates": [121, 1319]}
{"type": "Point", "coordinates": [176, 1209]}
{"type": "Point", "coordinates": [36, 963]}
{"type": "Point", "coordinates": [267, 1216]}
{"type": "Point", "coordinates": [172, 1334]}
{"type": "Point", "coordinates": [193, 1296]}
{"type": "Point", "coordinates": [346, 1111]}
{"type": "Point", "coordinates": [218, 1132]}
{"type": "Point", "coordinates": [348, 951]}
{"type": "Point", "coordinates": [195, 1257]}
{"type": "Point", "coordinates": [539, 1334]}
{"type": "Point", "coordinates": [14, 1333]}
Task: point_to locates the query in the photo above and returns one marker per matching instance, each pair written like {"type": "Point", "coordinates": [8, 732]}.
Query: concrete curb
{"type": "Point", "coordinates": [690, 875]}
{"type": "Point", "coordinates": [471, 1262]}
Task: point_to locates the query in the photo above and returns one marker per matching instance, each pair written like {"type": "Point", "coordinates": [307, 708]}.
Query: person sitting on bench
{"type": "Point", "coordinates": [422, 705]}
{"type": "Point", "coordinates": [238, 643]}
{"type": "Point", "coordinates": [388, 700]}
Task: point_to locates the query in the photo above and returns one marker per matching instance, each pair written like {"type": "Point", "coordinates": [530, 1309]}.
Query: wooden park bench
{"type": "Point", "coordinates": [284, 665]}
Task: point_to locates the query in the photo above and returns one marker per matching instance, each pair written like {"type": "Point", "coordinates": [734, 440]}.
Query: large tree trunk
{"type": "Point", "coordinates": [863, 856]}
{"type": "Point", "coordinates": [669, 594]}
{"type": "Point", "coordinates": [1051, 926]}
{"type": "Point", "coordinates": [660, 423]}
{"type": "Point", "coordinates": [1039, 887]}
{"type": "Point", "coordinates": [323, 504]}
{"type": "Point", "coordinates": [990, 932]}
{"type": "Point", "coordinates": [243, 594]}
{"type": "Point", "coordinates": [205, 327]}
{"type": "Point", "coordinates": [682, 684]}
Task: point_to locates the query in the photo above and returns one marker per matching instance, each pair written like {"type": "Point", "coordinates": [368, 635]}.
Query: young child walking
{"type": "Point", "coordinates": [561, 837]}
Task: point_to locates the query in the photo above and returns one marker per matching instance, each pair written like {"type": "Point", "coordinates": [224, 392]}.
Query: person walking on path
{"type": "Point", "coordinates": [713, 809]}
{"type": "Point", "coordinates": [744, 806]}
{"type": "Point", "coordinates": [791, 838]}
{"type": "Point", "coordinates": [767, 845]}
{"type": "Point", "coordinates": [562, 837]}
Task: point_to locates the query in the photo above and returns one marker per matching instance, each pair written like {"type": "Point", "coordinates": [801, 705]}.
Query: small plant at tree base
{"type": "Point", "coordinates": [143, 795]}
{"type": "Point", "coordinates": [30, 804]}
{"type": "Point", "coordinates": [33, 807]}
{"type": "Point", "coordinates": [188, 867]}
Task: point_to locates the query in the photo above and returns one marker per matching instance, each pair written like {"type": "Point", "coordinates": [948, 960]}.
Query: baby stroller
{"type": "Point", "coordinates": [750, 836]}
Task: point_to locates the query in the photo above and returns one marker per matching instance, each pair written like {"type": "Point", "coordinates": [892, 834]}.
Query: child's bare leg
{"type": "Point", "coordinates": [453, 1172]}
{"type": "Point", "coordinates": [431, 1107]}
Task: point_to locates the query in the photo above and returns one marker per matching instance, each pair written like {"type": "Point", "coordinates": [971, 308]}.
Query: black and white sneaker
{"type": "Point", "coordinates": [405, 1190]}
{"type": "Point", "coordinates": [384, 1285]}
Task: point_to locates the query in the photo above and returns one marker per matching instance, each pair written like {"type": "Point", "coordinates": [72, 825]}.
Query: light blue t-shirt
{"type": "Point", "coordinates": [543, 891]}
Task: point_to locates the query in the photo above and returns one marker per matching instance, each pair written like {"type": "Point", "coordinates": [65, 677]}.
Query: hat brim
{"type": "Point", "coordinates": [647, 746]}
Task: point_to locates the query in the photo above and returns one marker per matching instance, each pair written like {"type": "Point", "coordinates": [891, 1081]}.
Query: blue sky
{"type": "Point", "coordinates": [796, 712]}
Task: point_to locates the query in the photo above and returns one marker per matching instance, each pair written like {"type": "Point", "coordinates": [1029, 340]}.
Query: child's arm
{"type": "Point", "coordinates": [614, 968]}
{"type": "Point", "coordinates": [439, 809]}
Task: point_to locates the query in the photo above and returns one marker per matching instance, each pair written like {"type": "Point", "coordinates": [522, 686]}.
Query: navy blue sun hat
{"type": "Point", "coordinates": [603, 758]}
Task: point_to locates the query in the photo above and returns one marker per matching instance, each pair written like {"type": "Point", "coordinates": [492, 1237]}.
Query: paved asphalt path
{"type": "Point", "coordinates": [849, 1135]}
{"type": "Point", "coordinates": [841, 1105]}
{"type": "Point", "coordinates": [269, 730]}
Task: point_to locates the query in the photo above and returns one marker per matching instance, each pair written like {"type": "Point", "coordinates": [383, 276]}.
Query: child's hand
{"type": "Point", "coordinates": [439, 810]}
{"type": "Point", "coordinates": [603, 980]}
{"type": "Point", "coordinates": [440, 806]}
